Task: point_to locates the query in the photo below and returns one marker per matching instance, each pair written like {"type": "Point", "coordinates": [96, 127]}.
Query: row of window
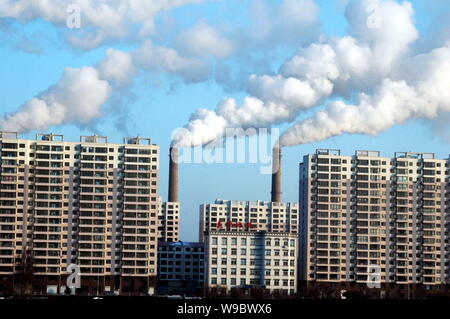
{"type": "Point", "coordinates": [245, 282]}
{"type": "Point", "coordinates": [253, 241]}
{"type": "Point", "coordinates": [253, 262]}
{"type": "Point", "coordinates": [254, 272]}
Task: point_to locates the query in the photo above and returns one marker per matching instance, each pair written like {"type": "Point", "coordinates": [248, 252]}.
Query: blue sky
{"type": "Point", "coordinates": [34, 53]}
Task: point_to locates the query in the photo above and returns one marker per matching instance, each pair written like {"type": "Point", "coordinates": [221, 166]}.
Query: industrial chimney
{"type": "Point", "coordinates": [276, 174]}
{"type": "Point", "coordinates": [173, 175]}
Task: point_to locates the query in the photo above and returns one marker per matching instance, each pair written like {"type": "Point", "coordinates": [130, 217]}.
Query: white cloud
{"type": "Point", "coordinates": [102, 21]}
{"type": "Point", "coordinates": [395, 33]}
{"type": "Point", "coordinates": [296, 15]}
{"type": "Point", "coordinates": [204, 40]}
{"type": "Point", "coordinates": [292, 21]}
{"type": "Point", "coordinates": [117, 68]}
{"type": "Point", "coordinates": [149, 56]}
{"type": "Point", "coordinates": [77, 98]}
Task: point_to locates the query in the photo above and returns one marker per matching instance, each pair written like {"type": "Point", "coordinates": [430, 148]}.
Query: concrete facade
{"type": "Point", "coordinates": [366, 211]}
{"type": "Point", "coordinates": [91, 203]}
{"type": "Point", "coordinates": [250, 245]}
{"type": "Point", "coordinates": [181, 267]}
{"type": "Point", "coordinates": [252, 259]}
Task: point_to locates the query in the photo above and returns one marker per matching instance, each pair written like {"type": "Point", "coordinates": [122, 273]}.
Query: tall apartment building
{"type": "Point", "coordinates": [92, 203]}
{"type": "Point", "coordinates": [169, 222]}
{"type": "Point", "coordinates": [366, 211]}
{"type": "Point", "coordinates": [250, 244]}
{"type": "Point", "coordinates": [265, 216]}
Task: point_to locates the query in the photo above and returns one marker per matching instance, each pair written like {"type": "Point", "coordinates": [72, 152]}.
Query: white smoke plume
{"type": "Point", "coordinates": [102, 21]}
{"type": "Point", "coordinates": [420, 89]}
{"type": "Point", "coordinates": [79, 96]}
{"type": "Point", "coordinates": [118, 68]}
{"type": "Point", "coordinates": [76, 98]}
{"type": "Point", "coordinates": [191, 70]}
{"type": "Point", "coordinates": [289, 22]}
{"type": "Point", "coordinates": [205, 41]}
{"type": "Point", "coordinates": [330, 68]}
{"type": "Point", "coordinates": [129, 21]}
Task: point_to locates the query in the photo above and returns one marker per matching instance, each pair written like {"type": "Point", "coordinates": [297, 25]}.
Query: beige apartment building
{"type": "Point", "coordinates": [169, 222]}
{"type": "Point", "coordinates": [366, 211]}
{"type": "Point", "coordinates": [91, 203]}
{"type": "Point", "coordinates": [249, 215]}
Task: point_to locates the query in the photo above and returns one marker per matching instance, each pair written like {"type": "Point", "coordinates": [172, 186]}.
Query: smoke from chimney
{"type": "Point", "coordinates": [173, 175]}
{"type": "Point", "coordinates": [276, 174]}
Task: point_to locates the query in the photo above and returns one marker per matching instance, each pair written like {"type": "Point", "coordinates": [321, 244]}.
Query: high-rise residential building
{"type": "Point", "coordinates": [90, 203]}
{"type": "Point", "coordinates": [367, 214]}
{"type": "Point", "coordinates": [250, 245]}
{"type": "Point", "coordinates": [181, 267]}
{"type": "Point", "coordinates": [169, 222]}
{"type": "Point", "coordinates": [265, 216]}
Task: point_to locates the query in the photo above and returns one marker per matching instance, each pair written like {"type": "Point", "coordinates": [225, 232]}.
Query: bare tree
{"type": "Point", "coordinates": [23, 278]}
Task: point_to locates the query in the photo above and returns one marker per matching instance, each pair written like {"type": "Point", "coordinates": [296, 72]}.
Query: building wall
{"type": "Point", "coordinates": [91, 203]}
{"type": "Point", "coordinates": [229, 228]}
{"type": "Point", "coordinates": [248, 215]}
{"type": "Point", "coordinates": [181, 267]}
{"type": "Point", "coordinates": [367, 210]}
{"type": "Point", "coordinates": [252, 259]}
{"type": "Point", "coordinates": [169, 222]}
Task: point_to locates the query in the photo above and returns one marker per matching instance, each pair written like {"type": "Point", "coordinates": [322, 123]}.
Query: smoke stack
{"type": "Point", "coordinates": [173, 175]}
{"type": "Point", "coordinates": [276, 174]}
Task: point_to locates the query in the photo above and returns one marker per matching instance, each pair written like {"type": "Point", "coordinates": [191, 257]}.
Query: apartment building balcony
{"type": "Point", "coordinates": [89, 258]}
{"type": "Point", "coordinates": [7, 195]}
